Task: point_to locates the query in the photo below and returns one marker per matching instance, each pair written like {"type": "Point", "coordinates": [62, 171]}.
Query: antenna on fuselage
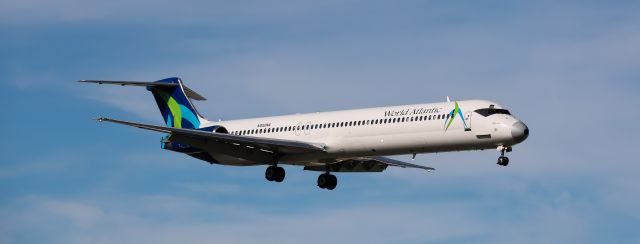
{"type": "Point", "coordinates": [448, 100]}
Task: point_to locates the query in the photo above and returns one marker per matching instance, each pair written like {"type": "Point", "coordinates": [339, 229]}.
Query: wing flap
{"type": "Point", "coordinates": [401, 164]}
{"type": "Point", "coordinates": [365, 164]}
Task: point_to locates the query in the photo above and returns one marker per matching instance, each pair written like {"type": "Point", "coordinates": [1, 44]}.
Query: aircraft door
{"type": "Point", "coordinates": [467, 120]}
{"type": "Point", "coordinates": [298, 129]}
{"type": "Point", "coordinates": [307, 128]}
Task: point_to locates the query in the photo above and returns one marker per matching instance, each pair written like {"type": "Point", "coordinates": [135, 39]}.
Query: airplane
{"type": "Point", "coordinates": [359, 140]}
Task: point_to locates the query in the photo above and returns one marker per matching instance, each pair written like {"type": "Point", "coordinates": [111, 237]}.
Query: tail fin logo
{"type": "Point", "coordinates": [452, 116]}
{"type": "Point", "coordinates": [177, 112]}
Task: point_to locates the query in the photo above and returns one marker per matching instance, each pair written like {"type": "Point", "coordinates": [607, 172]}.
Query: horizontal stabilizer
{"type": "Point", "coordinates": [129, 83]}
{"type": "Point", "coordinates": [190, 93]}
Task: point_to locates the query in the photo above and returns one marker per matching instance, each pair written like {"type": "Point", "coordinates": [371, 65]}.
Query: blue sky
{"type": "Point", "coordinates": [569, 69]}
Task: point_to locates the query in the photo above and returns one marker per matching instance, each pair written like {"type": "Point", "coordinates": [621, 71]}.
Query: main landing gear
{"type": "Point", "coordinates": [327, 181]}
{"type": "Point", "coordinates": [502, 160]}
{"type": "Point", "coordinates": [274, 173]}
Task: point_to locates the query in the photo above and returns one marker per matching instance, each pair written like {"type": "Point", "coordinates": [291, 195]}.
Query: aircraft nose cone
{"type": "Point", "coordinates": [519, 131]}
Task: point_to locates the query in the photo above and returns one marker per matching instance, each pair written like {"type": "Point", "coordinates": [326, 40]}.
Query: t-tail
{"type": "Point", "coordinates": [173, 99]}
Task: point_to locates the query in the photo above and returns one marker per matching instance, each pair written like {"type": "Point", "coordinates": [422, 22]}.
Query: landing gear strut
{"type": "Point", "coordinates": [274, 173]}
{"type": "Point", "coordinates": [502, 160]}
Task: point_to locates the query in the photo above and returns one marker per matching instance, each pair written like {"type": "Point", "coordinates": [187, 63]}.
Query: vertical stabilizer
{"type": "Point", "coordinates": [174, 104]}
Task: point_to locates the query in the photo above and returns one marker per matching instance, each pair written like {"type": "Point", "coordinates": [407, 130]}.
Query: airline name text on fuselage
{"type": "Point", "coordinates": [409, 112]}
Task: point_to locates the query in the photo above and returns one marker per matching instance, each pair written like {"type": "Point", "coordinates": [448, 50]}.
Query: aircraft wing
{"type": "Point", "coordinates": [397, 163]}
{"type": "Point", "coordinates": [273, 145]}
{"type": "Point", "coordinates": [365, 164]}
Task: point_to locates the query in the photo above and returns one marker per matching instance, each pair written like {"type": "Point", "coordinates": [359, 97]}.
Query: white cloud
{"type": "Point", "coordinates": [54, 163]}
{"type": "Point", "coordinates": [135, 100]}
{"type": "Point", "coordinates": [168, 219]}
{"type": "Point", "coordinates": [209, 187]}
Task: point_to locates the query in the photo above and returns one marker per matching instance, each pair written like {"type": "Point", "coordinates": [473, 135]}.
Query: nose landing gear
{"type": "Point", "coordinates": [502, 160]}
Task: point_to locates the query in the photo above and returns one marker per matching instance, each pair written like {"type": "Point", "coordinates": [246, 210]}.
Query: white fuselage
{"type": "Point", "coordinates": [407, 129]}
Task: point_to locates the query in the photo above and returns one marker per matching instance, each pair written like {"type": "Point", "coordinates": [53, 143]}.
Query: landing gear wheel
{"type": "Point", "coordinates": [503, 161]}
{"type": "Point", "coordinates": [333, 182]}
{"type": "Point", "coordinates": [274, 173]}
{"type": "Point", "coordinates": [279, 177]}
{"type": "Point", "coordinates": [270, 173]}
{"type": "Point", "coordinates": [327, 181]}
{"type": "Point", "coordinates": [323, 180]}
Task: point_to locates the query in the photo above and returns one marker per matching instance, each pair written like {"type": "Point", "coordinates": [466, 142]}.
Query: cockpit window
{"type": "Point", "coordinates": [491, 111]}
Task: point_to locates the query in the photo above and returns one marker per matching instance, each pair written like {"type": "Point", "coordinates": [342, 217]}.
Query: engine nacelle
{"type": "Point", "coordinates": [168, 144]}
{"type": "Point", "coordinates": [216, 129]}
